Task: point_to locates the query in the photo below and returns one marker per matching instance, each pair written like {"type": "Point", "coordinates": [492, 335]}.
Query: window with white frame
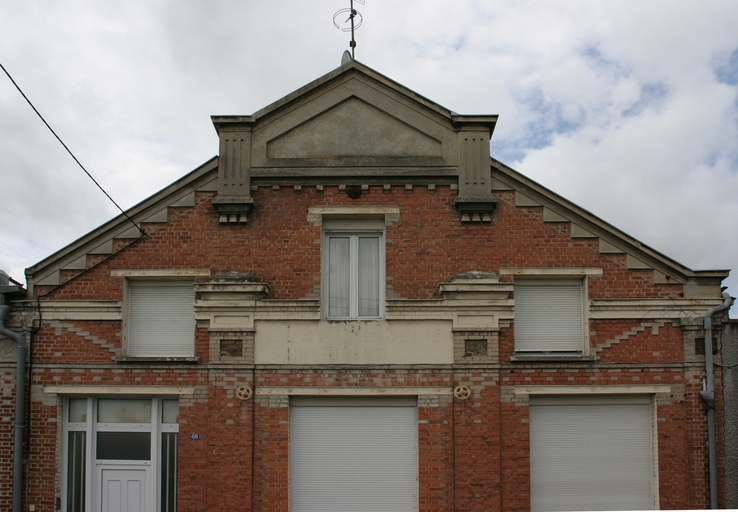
{"type": "Point", "coordinates": [161, 318]}
{"type": "Point", "coordinates": [549, 316]}
{"type": "Point", "coordinates": [353, 276]}
{"type": "Point", "coordinates": [120, 452]}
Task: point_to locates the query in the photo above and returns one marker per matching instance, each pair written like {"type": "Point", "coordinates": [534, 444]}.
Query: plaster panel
{"type": "Point", "coordinates": [353, 128]}
{"type": "Point", "coordinates": [353, 342]}
{"type": "Point", "coordinates": [8, 349]}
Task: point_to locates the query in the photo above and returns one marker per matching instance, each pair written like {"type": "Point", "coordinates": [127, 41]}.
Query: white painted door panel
{"type": "Point", "coordinates": [123, 490]}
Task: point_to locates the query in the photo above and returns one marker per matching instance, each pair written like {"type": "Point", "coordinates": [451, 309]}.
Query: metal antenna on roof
{"type": "Point", "coordinates": [353, 13]}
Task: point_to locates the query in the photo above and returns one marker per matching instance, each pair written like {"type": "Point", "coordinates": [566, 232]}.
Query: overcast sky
{"type": "Point", "coordinates": [627, 108]}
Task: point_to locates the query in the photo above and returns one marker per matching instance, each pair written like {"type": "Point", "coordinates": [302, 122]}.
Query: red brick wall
{"type": "Point", "coordinates": [473, 455]}
{"type": "Point", "coordinates": [426, 247]}
{"type": "Point", "coordinates": [7, 436]}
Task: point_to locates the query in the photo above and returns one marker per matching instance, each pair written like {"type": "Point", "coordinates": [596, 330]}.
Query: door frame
{"type": "Point", "coordinates": [93, 466]}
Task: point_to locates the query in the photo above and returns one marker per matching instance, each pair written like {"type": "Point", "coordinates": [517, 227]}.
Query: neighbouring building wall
{"type": "Point", "coordinates": [19, 320]}
{"type": "Point", "coordinates": [730, 419]}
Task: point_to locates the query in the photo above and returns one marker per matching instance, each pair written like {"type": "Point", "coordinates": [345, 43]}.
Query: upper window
{"type": "Point", "coordinates": [353, 267]}
{"type": "Point", "coordinates": [549, 316]}
{"type": "Point", "coordinates": [161, 319]}
{"type": "Point", "coordinates": [354, 275]}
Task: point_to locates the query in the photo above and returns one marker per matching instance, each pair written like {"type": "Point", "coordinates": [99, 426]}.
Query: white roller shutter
{"type": "Point", "coordinates": [591, 453]}
{"type": "Point", "coordinates": [161, 319]}
{"type": "Point", "coordinates": [353, 458]}
{"type": "Point", "coordinates": [549, 316]}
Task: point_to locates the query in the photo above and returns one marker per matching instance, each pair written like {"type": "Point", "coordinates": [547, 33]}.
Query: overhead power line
{"type": "Point", "coordinates": [70, 151]}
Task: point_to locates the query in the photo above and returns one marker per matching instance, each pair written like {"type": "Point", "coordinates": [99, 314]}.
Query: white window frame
{"type": "Point", "coordinates": [92, 466]}
{"type": "Point", "coordinates": [353, 228]}
{"type": "Point", "coordinates": [128, 320]}
{"type": "Point", "coordinates": [554, 276]}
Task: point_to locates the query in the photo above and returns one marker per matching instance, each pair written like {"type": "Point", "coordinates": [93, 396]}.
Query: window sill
{"type": "Point", "coordinates": [157, 360]}
{"type": "Point", "coordinates": [545, 358]}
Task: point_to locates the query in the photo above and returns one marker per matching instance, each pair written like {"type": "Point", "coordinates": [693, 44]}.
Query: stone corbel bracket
{"type": "Point", "coordinates": [233, 209]}
{"type": "Point", "coordinates": [478, 301]}
{"type": "Point", "coordinates": [228, 301]}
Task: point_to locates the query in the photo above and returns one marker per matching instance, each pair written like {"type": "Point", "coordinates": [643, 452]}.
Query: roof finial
{"type": "Point", "coordinates": [346, 57]}
{"type": "Point", "coordinates": [353, 13]}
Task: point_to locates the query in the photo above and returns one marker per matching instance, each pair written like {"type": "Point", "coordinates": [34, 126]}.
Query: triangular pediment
{"type": "Point", "coordinates": [354, 118]}
{"type": "Point", "coordinates": [354, 129]}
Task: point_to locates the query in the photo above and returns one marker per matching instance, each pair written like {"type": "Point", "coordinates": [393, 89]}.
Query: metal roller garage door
{"type": "Point", "coordinates": [591, 453]}
{"type": "Point", "coordinates": [353, 454]}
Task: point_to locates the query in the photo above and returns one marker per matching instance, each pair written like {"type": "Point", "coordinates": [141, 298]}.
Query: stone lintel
{"type": "Point", "coordinates": [231, 291]}
{"type": "Point", "coordinates": [650, 308]}
{"type": "Point", "coordinates": [352, 391]}
{"type": "Point", "coordinates": [160, 273]}
{"type": "Point", "coordinates": [119, 390]}
{"type": "Point", "coordinates": [586, 390]}
{"type": "Point", "coordinates": [81, 310]}
{"type": "Point", "coordinates": [482, 290]}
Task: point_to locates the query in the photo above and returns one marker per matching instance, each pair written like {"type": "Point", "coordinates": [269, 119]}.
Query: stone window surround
{"type": "Point", "coordinates": [149, 275]}
{"type": "Point", "coordinates": [559, 273]}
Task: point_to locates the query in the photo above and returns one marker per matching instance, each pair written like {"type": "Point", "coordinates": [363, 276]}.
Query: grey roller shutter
{"type": "Point", "coordinates": [549, 316]}
{"type": "Point", "coordinates": [591, 454]}
{"type": "Point", "coordinates": [161, 319]}
{"type": "Point", "coordinates": [353, 458]}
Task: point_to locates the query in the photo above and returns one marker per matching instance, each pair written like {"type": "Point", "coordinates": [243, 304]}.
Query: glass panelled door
{"type": "Point", "coordinates": [120, 454]}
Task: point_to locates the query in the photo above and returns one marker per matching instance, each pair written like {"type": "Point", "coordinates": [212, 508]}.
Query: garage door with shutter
{"type": "Point", "coordinates": [591, 453]}
{"type": "Point", "coordinates": [357, 453]}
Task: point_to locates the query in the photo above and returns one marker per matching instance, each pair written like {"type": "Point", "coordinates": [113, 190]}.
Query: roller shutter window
{"type": "Point", "coordinates": [353, 455]}
{"type": "Point", "coordinates": [591, 453]}
{"type": "Point", "coordinates": [161, 319]}
{"type": "Point", "coordinates": [549, 316]}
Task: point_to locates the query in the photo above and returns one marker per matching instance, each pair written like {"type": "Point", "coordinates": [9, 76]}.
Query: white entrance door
{"type": "Point", "coordinates": [123, 490]}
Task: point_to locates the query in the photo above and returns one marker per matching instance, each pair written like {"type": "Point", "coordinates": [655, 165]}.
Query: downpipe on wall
{"type": "Point", "coordinates": [20, 389]}
{"type": "Point", "coordinates": [708, 395]}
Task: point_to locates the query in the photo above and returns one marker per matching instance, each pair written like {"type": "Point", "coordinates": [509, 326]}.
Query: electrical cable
{"type": "Point", "coordinates": [69, 151]}
{"type": "Point", "coordinates": [726, 365]}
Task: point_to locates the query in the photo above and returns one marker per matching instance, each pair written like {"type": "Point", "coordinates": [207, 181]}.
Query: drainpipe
{"type": "Point", "coordinates": [20, 389]}
{"type": "Point", "coordinates": [708, 395]}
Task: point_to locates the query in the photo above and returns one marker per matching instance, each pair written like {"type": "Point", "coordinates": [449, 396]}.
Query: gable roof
{"type": "Point", "coordinates": [611, 240]}
{"type": "Point", "coordinates": [283, 144]}
{"type": "Point", "coordinates": [101, 243]}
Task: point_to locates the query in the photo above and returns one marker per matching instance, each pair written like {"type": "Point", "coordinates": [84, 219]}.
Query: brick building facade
{"type": "Point", "coordinates": [355, 304]}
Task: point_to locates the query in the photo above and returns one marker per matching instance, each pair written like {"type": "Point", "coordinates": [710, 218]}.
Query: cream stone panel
{"type": "Point", "coordinates": [353, 342]}
{"type": "Point", "coordinates": [369, 105]}
{"type": "Point", "coordinates": [119, 390]}
{"type": "Point", "coordinates": [353, 128]}
{"type": "Point", "coordinates": [585, 390]}
{"type": "Point", "coordinates": [350, 391]}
